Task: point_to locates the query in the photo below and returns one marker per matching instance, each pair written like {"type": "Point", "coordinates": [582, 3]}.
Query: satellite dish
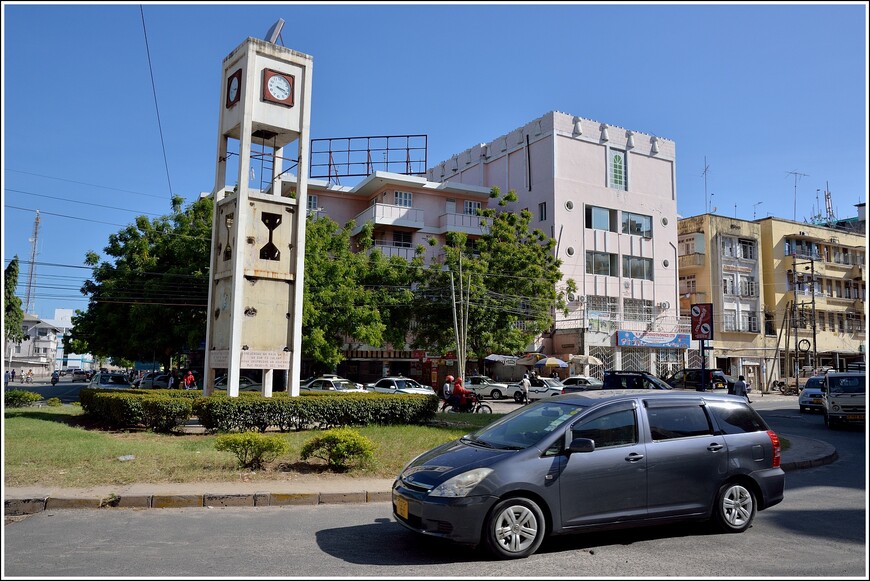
{"type": "Point", "coordinates": [275, 31]}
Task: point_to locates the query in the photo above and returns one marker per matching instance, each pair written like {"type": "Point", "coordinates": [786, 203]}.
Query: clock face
{"type": "Point", "coordinates": [234, 88]}
{"type": "Point", "coordinates": [279, 87]}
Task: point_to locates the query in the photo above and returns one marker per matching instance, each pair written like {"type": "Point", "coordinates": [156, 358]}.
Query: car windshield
{"type": "Point", "coordinates": [114, 380]}
{"type": "Point", "coordinates": [526, 426]}
{"type": "Point", "coordinates": [344, 385]}
{"type": "Point", "coordinates": [849, 384]}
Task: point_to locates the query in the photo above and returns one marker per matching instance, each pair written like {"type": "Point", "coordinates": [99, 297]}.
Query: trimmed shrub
{"type": "Point", "coordinates": [19, 398]}
{"type": "Point", "coordinates": [54, 402]}
{"type": "Point", "coordinates": [164, 414]}
{"type": "Point", "coordinates": [252, 449]}
{"type": "Point", "coordinates": [339, 447]}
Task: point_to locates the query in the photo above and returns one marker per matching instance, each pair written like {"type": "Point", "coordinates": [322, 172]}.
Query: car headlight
{"type": "Point", "coordinates": [462, 484]}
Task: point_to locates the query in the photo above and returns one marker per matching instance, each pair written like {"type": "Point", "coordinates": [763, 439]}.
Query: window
{"type": "Point", "coordinates": [748, 286]}
{"type": "Point", "coordinates": [600, 218]}
{"type": "Point", "coordinates": [618, 178]}
{"type": "Point", "coordinates": [471, 208]}
{"type": "Point", "coordinates": [542, 211]}
{"type": "Point", "coordinates": [402, 239]}
{"type": "Point", "coordinates": [637, 224]}
{"type": "Point", "coordinates": [686, 246]}
{"type": "Point", "coordinates": [730, 320]}
{"type": "Point", "coordinates": [405, 199]}
{"type": "Point", "coordinates": [746, 249]}
{"type": "Point", "coordinates": [729, 247]}
{"type": "Point", "coordinates": [611, 429]}
{"type": "Point", "coordinates": [312, 202]}
{"type": "Point", "coordinates": [637, 267]}
{"type": "Point", "coordinates": [602, 263]}
{"type": "Point", "coordinates": [736, 418]}
{"type": "Point", "coordinates": [667, 423]}
{"type": "Point", "coordinates": [601, 306]}
{"type": "Point", "coordinates": [748, 322]}
{"type": "Point", "coordinates": [638, 310]}
{"type": "Point", "coordinates": [728, 285]}
{"type": "Point", "coordinates": [687, 285]}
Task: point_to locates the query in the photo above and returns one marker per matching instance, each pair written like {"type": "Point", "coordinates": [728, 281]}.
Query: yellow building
{"type": "Point", "coordinates": [768, 323]}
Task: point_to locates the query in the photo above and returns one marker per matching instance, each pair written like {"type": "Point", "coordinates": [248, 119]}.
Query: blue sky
{"type": "Point", "coordinates": [774, 97]}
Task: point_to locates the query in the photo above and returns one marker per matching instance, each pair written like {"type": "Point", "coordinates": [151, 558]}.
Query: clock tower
{"type": "Point", "coordinates": [258, 228]}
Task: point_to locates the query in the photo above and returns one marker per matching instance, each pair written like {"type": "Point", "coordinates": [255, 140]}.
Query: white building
{"type": "Point", "coordinates": [63, 322]}
{"type": "Point", "coordinates": [608, 196]}
{"type": "Point", "coordinates": [36, 352]}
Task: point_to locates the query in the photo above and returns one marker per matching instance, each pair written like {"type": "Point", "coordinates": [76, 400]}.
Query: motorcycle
{"type": "Point", "coordinates": [473, 405]}
{"type": "Point", "coordinates": [53, 380]}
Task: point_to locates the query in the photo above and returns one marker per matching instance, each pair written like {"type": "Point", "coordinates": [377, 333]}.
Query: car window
{"type": "Point", "coordinates": [611, 429]}
{"type": "Point", "coordinates": [684, 421]}
{"type": "Point", "coordinates": [736, 418]}
{"type": "Point", "coordinates": [847, 384]}
{"type": "Point", "coordinates": [526, 426]}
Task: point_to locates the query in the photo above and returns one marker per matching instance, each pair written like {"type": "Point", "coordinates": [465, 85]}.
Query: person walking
{"type": "Point", "coordinates": [526, 385]}
{"type": "Point", "coordinates": [740, 388]}
{"type": "Point", "coordinates": [6, 377]}
{"type": "Point", "coordinates": [189, 380]}
{"type": "Point", "coordinates": [13, 376]}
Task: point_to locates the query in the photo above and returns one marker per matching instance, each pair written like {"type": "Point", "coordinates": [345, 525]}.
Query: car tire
{"type": "Point", "coordinates": [514, 529]}
{"type": "Point", "coordinates": [518, 397]}
{"type": "Point", "coordinates": [735, 508]}
{"type": "Point", "coordinates": [495, 394]}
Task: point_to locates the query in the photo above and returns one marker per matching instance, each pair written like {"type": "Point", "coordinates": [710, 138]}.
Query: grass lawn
{"type": "Point", "coordinates": [56, 446]}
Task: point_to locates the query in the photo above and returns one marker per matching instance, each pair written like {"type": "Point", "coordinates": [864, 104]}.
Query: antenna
{"type": "Point", "coordinates": [796, 175]}
{"type": "Point", "coordinates": [753, 209]}
{"type": "Point", "coordinates": [274, 32]}
{"type": "Point", "coordinates": [704, 173]}
{"type": "Point", "coordinates": [33, 240]}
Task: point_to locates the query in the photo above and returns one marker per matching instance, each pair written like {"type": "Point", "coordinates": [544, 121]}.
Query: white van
{"type": "Point", "coordinates": [845, 397]}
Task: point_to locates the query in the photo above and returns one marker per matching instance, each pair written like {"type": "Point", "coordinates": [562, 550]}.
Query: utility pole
{"type": "Point", "coordinates": [813, 288]}
{"type": "Point", "coordinates": [795, 315]}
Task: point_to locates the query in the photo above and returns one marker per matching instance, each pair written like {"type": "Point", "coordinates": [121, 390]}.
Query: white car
{"type": "Point", "coordinates": [397, 385]}
{"type": "Point", "coordinates": [332, 384]}
{"type": "Point", "coordinates": [811, 397]}
{"type": "Point", "coordinates": [581, 383]}
{"type": "Point", "coordinates": [541, 387]}
{"type": "Point", "coordinates": [245, 384]}
{"type": "Point", "coordinates": [483, 386]}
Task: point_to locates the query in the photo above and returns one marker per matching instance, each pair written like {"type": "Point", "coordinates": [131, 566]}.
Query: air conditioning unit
{"type": "Point", "coordinates": [835, 240]}
{"type": "Point", "coordinates": [664, 305]}
{"type": "Point", "coordinates": [571, 297]}
{"type": "Point", "coordinates": [802, 233]}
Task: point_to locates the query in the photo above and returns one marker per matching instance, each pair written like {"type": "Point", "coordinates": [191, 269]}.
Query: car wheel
{"type": "Point", "coordinates": [518, 397]}
{"type": "Point", "coordinates": [514, 528]}
{"type": "Point", "coordinates": [495, 394]}
{"type": "Point", "coordinates": [735, 508]}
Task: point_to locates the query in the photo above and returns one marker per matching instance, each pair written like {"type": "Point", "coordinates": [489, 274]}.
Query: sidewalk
{"type": "Point", "coordinates": [302, 490]}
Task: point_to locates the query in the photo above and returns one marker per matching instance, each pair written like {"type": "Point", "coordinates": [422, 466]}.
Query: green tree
{"type": "Point", "coordinates": [13, 316]}
{"type": "Point", "coordinates": [506, 281]}
{"type": "Point", "coordinates": [150, 300]}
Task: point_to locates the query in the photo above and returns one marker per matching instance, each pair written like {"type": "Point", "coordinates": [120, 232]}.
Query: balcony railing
{"type": "Point", "coordinates": [390, 250]}
{"type": "Point", "coordinates": [389, 215]}
{"type": "Point", "coordinates": [691, 260]}
{"type": "Point", "coordinates": [468, 223]}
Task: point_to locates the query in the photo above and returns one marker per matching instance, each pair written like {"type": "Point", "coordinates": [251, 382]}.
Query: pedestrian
{"type": "Point", "coordinates": [740, 388]}
{"type": "Point", "coordinates": [526, 386]}
{"type": "Point", "coordinates": [189, 380]}
{"type": "Point", "coordinates": [447, 391]}
{"type": "Point", "coordinates": [170, 381]}
{"type": "Point", "coordinates": [6, 377]}
{"type": "Point", "coordinates": [13, 376]}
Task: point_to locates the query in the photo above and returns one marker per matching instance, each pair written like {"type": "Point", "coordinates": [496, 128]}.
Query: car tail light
{"type": "Point", "coordinates": [774, 439]}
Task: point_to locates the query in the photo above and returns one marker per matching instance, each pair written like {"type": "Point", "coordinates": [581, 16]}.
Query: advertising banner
{"type": "Point", "coordinates": [651, 339]}
{"type": "Point", "coordinates": [702, 321]}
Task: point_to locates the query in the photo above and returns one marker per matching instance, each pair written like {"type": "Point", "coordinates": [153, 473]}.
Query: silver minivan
{"type": "Point", "coordinates": [593, 460]}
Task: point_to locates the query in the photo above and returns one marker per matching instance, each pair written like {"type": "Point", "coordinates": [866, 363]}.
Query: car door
{"type": "Point", "coordinates": [686, 458]}
{"type": "Point", "coordinates": [609, 483]}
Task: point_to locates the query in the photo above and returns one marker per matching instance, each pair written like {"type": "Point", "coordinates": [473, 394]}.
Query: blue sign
{"type": "Point", "coordinates": [650, 339]}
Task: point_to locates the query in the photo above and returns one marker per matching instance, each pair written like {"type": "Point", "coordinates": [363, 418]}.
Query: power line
{"type": "Point", "coordinates": [156, 108]}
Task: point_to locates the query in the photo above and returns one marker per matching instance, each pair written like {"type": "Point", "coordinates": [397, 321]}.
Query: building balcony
{"type": "Point", "coordinates": [690, 261]}
{"type": "Point", "coordinates": [390, 250]}
{"type": "Point", "coordinates": [468, 223]}
{"type": "Point", "coordinates": [389, 215]}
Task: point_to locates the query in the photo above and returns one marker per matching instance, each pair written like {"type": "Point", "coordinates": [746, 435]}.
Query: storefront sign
{"type": "Point", "coordinates": [651, 339]}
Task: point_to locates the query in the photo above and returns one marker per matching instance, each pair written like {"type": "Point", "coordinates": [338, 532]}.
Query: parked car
{"type": "Point", "coordinates": [399, 385]}
{"type": "Point", "coordinates": [147, 380]}
{"type": "Point", "coordinates": [245, 384]}
{"type": "Point", "coordinates": [811, 396]}
{"type": "Point", "coordinates": [110, 380]}
{"type": "Point", "coordinates": [333, 384]}
{"type": "Point", "coordinates": [690, 378]}
{"type": "Point", "coordinates": [80, 375]}
{"type": "Point", "coordinates": [484, 386]}
{"type": "Point", "coordinates": [633, 380]}
{"type": "Point", "coordinates": [541, 387]}
{"type": "Point", "coordinates": [559, 466]}
{"type": "Point", "coordinates": [581, 383]}
{"type": "Point", "coordinates": [305, 383]}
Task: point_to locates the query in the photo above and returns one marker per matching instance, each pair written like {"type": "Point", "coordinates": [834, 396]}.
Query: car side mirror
{"type": "Point", "coordinates": [580, 444]}
{"type": "Point", "coordinates": [824, 388]}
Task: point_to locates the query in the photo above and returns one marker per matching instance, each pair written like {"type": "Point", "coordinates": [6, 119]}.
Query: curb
{"type": "Point", "coordinates": [26, 506]}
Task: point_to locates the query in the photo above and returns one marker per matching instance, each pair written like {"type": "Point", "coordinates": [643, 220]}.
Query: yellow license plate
{"type": "Point", "coordinates": [401, 507]}
{"type": "Point", "coordinates": [817, 401]}
{"type": "Point", "coordinates": [855, 418]}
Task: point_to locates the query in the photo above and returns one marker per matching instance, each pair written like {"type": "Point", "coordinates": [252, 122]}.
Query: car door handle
{"type": "Point", "coordinates": [715, 447]}
{"type": "Point", "coordinates": [634, 457]}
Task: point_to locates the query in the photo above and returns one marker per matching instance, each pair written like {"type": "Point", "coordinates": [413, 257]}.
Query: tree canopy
{"type": "Point", "coordinates": [13, 315]}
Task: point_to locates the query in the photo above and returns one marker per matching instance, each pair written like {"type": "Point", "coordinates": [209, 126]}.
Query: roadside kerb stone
{"type": "Point", "coordinates": [228, 500]}
{"type": "Point", "coordinates": [381, 496]}
{"type": "Point", "coordinates": [289, 498]}
{"type": "Point", "coordinates": [342, 497]}
{"type": "Point", "coordinates": [21, 506]}
{"type": "Point", "coordinates": [176, 501]}
{"type": "Point", "coordinates": [133, 501]}
{"type": "Point", "coordinates": [53, 503]}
